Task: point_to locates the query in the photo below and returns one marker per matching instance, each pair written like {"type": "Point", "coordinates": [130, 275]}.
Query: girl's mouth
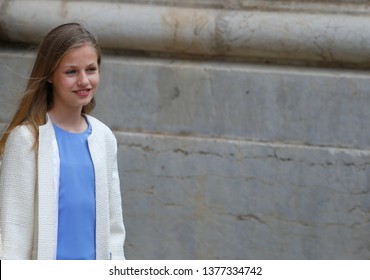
{"type": "Point", "coordinates": [83, 92]}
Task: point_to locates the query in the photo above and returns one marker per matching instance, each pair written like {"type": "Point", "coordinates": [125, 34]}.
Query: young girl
{"type": "Point", "coordinates": [59, 185]}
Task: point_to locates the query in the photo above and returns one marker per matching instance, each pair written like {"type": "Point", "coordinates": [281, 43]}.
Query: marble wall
{"type": "Point", "coordinates": [273, 32]}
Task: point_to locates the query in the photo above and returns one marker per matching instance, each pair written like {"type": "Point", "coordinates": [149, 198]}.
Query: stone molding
{"type": "Point", "coordinates": [303, 37]}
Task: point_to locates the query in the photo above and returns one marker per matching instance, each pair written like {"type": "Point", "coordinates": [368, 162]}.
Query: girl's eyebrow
{"type": "Point", "coordinates": [75, 66]}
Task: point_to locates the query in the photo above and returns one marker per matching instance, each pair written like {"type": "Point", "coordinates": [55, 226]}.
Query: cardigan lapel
{"type": "Point", "coordinates": [47, 226]}
{"type": "Point", "coordinates": [98, 154]}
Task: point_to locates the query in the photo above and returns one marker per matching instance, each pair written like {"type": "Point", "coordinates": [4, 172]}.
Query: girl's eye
{"type": "Point", "coordinates": [92, 69]}
{"type": "Point", "coordinates": [70, 72]}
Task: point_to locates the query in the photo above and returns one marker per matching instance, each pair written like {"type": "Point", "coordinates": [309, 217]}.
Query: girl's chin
{"type": "Point", "coordinates": [86, 99]}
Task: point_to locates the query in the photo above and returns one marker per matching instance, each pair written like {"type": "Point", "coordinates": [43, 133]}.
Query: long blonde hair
{"type": "Point", "coordinates": [38, 95]}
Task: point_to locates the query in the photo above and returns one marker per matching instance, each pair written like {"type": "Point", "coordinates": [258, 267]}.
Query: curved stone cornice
{"type": "Point", "coordinates": [301, 37]}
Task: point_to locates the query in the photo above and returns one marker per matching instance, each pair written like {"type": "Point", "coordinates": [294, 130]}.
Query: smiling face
{"type": "Point", "coordinates": [75, 79]}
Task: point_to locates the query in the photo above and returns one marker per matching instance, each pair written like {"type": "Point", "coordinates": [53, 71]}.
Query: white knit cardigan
{"type": "Point", "coordinates": [29, 185]}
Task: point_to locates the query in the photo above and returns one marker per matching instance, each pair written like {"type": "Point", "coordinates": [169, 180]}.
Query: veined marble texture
{"type": "Point", "coordinates": [291, 33]}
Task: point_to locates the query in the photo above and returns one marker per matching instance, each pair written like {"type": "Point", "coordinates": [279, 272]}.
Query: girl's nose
{"type": "Point", "coordinates": [83, 80]}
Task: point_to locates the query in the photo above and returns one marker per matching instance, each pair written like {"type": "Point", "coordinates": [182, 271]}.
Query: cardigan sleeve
{"type": "Point", "coordinates": [117, 229]}
{"type": "Point", "coordinates": [17, 195]}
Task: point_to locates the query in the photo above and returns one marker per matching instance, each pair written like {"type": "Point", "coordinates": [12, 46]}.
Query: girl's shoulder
{"type": "Point", "coordinates": [20, 140]}
{"type": "Point", "coordinates": [99, 127]}
{"type": "Point", "coordinates": [21, 132]}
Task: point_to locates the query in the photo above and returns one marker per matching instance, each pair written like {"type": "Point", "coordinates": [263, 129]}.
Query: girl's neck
{"type": "Point", "coordinates": [72, 122]}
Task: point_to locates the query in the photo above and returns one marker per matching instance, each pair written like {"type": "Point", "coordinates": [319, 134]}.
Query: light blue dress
{"type": "Point", "coordinates": [76, 214]}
